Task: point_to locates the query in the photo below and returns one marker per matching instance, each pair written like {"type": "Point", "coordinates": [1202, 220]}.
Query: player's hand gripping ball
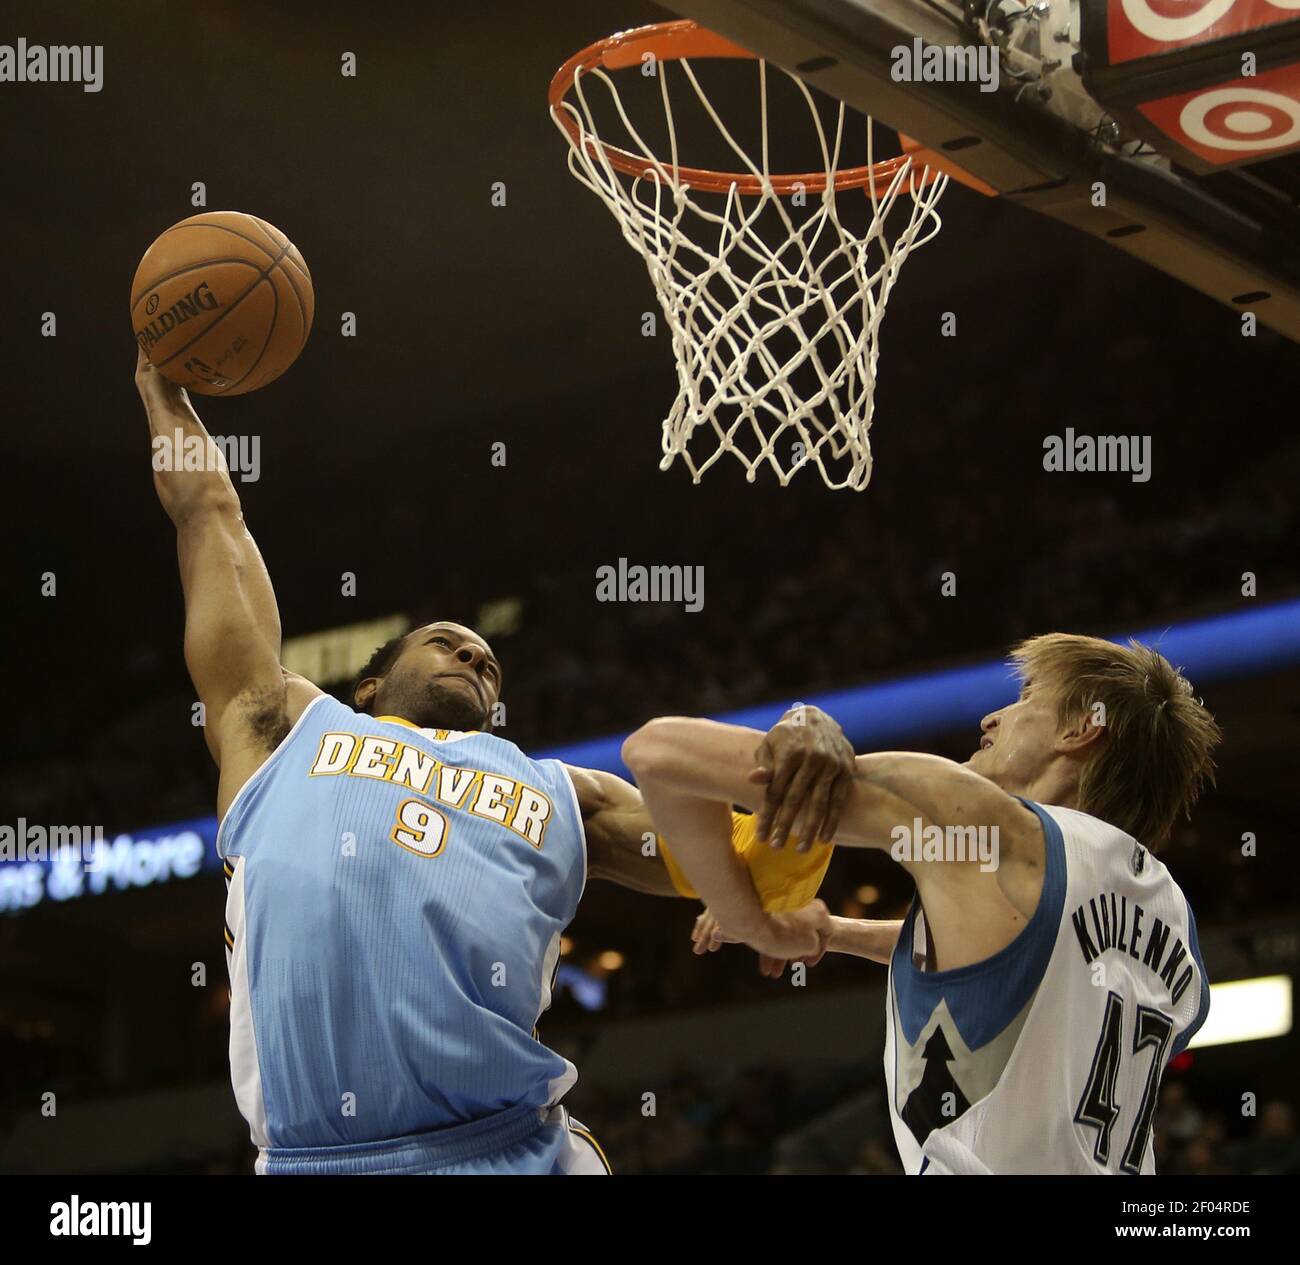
{"type": "Point", "coordinates": [222, 303]}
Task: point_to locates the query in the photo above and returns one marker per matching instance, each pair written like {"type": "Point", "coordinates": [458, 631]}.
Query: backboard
{"type": "Point", "coordinates": [1170, 132]}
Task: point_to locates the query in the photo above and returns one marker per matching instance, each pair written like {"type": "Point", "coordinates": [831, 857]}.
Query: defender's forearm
{"type": "Point", "coordinates": [929, 784]}
{"type": "Point", "coordinates": [699, 833]}
{"type": "Point", "coordinates": [690, 773]}
{"type": "Point", "coordinates": [864, 938]}
{"type": "Point", "coordinates": [700, 758]}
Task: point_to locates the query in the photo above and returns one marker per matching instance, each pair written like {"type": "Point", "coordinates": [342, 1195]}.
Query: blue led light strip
{"type": "Point", "coordinates": [1244, 643]}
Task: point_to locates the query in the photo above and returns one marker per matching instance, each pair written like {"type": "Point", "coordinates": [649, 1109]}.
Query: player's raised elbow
{"type": "Point", "coordinates": [649, 752]}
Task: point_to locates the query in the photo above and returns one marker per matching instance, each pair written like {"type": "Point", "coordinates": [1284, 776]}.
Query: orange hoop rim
{"type": "Point", "coordinates": [683, 39]}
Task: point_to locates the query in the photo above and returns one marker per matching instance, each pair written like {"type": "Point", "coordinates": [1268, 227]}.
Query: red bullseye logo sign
{"type": "Point", "coordinates": [1146, 28]}
{"type": "Point", "coordinates": [1242, 119]}
{"type": "Point", "coordinates": [1234, 121]}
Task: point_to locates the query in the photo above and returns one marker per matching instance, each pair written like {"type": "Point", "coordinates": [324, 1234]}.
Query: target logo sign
{"type": "Point", "coordinates": [1146, 28]}
{"type": "Point", "coordinates": [1235, 121]}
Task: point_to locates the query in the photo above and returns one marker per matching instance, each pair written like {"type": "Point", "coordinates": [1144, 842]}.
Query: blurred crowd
{"type": "Point", "coordinates": [759, 1120]}
{"type": "Point", "coordinates": [1197, 1141]}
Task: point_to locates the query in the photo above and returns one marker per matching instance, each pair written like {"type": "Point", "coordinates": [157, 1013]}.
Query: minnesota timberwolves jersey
{"type": "Point", "coordinates": [1047, 1057]}
{"type": "Point", "coordinates": [396, 898]}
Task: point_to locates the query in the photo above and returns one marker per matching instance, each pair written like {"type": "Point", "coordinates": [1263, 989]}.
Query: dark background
{"type": "Point", "coordinates": [522, 325]}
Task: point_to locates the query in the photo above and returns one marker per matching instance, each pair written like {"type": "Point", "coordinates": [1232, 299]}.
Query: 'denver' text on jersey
{"type": "Point", "coordinates": [519, 807]}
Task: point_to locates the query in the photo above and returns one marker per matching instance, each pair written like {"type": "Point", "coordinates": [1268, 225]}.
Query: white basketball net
{"type": "Point", "coordinates": [747, 317]}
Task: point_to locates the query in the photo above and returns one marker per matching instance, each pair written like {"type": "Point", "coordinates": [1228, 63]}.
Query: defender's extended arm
{"type": "Point", "coordinates": [691, 772]}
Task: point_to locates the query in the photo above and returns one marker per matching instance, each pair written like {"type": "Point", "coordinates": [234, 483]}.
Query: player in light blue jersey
{"type": "Point", "coordinates": [399, 877]}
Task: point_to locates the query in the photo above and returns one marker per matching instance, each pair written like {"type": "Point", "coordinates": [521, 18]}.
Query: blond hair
{"type": "Point", "coordinates": [1155, 753]}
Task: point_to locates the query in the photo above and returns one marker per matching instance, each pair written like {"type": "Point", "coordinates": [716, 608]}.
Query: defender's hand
{"type": "Point", "coordinates": [804, 933]}
{"type": "Point", "coordinates": [808, 767]}
{"type": "Point", "coordinates": [774, 968]}
{"type": "Point", "coordinates": [707, 936]}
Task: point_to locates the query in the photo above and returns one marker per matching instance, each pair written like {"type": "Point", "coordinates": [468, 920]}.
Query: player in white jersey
{"type": "Point", "coordinates": [1048, 968]}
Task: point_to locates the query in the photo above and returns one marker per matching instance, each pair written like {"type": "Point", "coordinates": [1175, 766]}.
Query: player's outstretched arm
{"type": "Point", "coordinates": [624, 847]}
{"type": "Point", "coordinates": [893, 791]}
{"type": "Point", "coordinates": [232, 624]}
{"type": "Point", "coordinates": [977, 854]}
{"type": "Point", "coordinates": [620, 834]}
{"type": "Point", "coordinates": [692, 771]}
{"type": "Point", "coordinates": [796, 777]}
{"type": "Point", "coordinates": [858, 937]}
{"type": "Point", "coordinates": [865, 937]}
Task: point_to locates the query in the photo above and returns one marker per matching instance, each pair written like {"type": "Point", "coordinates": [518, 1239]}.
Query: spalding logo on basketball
{"type": "Point", "coordinates": [222, 303]}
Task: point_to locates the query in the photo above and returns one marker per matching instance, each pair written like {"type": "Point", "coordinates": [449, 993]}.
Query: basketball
{"type": "Point", "coordinates": [222, 303]}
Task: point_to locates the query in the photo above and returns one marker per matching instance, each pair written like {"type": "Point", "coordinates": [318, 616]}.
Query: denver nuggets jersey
{"type": "Point", "coordinates": [396, 898]}
{"type": "Point", "coordinates": [1047, 1057]}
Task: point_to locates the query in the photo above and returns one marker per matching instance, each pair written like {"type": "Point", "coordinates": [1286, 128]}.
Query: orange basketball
{"type": "Point", "coordinates": [222, 303]}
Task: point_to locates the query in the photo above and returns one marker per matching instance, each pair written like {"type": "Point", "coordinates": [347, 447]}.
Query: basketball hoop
{"type": "Point", "coordinates": [775, 343]}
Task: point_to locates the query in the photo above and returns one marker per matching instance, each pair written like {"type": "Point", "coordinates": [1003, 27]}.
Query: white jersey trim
{"type": "Point", "coordinates": [245, 1070]}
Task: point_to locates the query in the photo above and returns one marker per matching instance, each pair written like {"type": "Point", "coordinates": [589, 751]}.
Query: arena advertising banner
{"type": "Point", "coordinates": [43, 864]}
